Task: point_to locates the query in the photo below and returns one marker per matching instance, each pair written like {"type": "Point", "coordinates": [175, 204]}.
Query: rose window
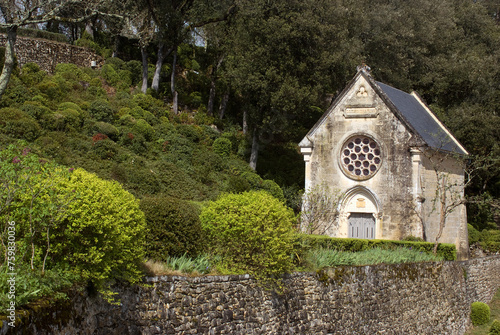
{"type": "Point", "coordinates": [360, 157]}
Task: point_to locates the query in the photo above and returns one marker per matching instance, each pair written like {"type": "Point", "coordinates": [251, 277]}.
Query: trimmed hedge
{"type": "Point", "coordinates": [306, 242]}
{"type": "Point", "coordinates": [173, 227]}
{"type": "Point", "coordinates": [36, 33]}
{"type": "Point", "coordinates": [479, 313]}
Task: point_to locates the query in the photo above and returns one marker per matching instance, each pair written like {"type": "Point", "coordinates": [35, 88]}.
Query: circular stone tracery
{"type": "Point", "coordinates": [360, 157]}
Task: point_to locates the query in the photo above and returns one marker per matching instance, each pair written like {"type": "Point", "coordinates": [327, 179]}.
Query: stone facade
{"type": "Point", "coordinates": [385, 151]}
{"type": "Point", "coordinates": [420, 298]}
{"type": "Point", "coordinates": [47, 54]}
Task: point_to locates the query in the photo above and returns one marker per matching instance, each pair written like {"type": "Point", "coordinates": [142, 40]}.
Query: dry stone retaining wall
{"type": "Point", "coordinates": [47, 54]}
{"type": "Point", "coordinates": [424, 298]}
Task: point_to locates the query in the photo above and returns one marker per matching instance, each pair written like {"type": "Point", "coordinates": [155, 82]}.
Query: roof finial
{"type": "Point", "coordinates": [363, 67]}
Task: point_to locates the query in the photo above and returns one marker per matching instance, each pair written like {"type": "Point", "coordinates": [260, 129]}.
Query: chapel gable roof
{"type": "Point", "coordinates": [408, 108]}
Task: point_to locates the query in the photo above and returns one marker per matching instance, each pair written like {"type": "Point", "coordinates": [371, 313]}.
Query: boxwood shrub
{"type": "Point", "coordinates": [173, 227]}
{"type": "Point", "coordinates": [479, 313]}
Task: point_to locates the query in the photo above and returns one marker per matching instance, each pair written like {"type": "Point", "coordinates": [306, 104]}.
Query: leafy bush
{"type": "Point", "coordinates": [107, 129]}
{"type": "Point", "coordinates": [222, 146]}
{"type": "Point", "coordinates": [142, 127]}
{"type": "Point", "coordinates": [101, 111]}
{"type": "Point", "coordinates": [173, 227]}
{"type": "Point", "coordinates": [31, 74]}
{"type": "Point", "coordinates": [253, 179]}
{"type": "Point", "coordinates": [479, 313]}
{"type": "Point", "coordinates": [104, 234]}
{"type": "Point", "coordinates": [474, 235]}
{"type": "Point", "coordinates": [495, 328]}
{"type": "Point", "coordinates": [273, 189]}
{"type": "Point", "coordinates": [63, 120]}
{"type": "Point", "coordinates": [103, 147]}
{"type": "Point", "coordinates": [237, 184]}
{"type": "Point", "coordinates": [190, 132]}
{"type": "Point", "coordinates": [16, 123]}
{"type": "Point", "coordinates": [71, 72]}
{"type": "Point", "coordinates": [304, 242]}
{"type": "Point", "coordinates": [252, 232]}
{"type": "Point", "coordinates": [35, 109]}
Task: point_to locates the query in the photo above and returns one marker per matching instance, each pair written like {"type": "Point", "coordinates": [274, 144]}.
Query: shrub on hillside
{"type": "Point", "coordinates": [142, 127]}
{"type": "Point", "coordinates": [35, 109]}
{"type": "Point", "coordinates": [31, 74]}
{"type": "Point", "coordinates": [16, 123]}
{"type": "Point", "coordinates": [273, 189]}
{"type": "Point", "coordinates": [495, 328]}
{"type": "Point", "coordinates": [479, 313]}
{"type": "Point", "coordinates": [222, 146]}
{"type": "Point", "coordinates": [63, 120]}
{"type": "Point", "coordinates": [474, 235]}
{"type": "Point", "coordinates": [107, 129]}
{"type": "Point", "coordinates": [101, 111]}
{"type": "Point", "coordinates": [252, 232]}
{"type": "Point", "coordinates": [173, 227]}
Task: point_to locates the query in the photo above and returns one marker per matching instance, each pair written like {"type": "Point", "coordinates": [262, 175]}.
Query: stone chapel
{"type": "Point", "coordinates": [390, 158]}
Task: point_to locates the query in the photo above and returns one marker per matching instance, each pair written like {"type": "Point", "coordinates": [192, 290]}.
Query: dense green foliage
{"type": "Point", "coordinates": [104, 236]}
{"type": "Point", "coordinates": [251, 232]}
{"type": "Point", "coordinates": [65, 220]}
{"type": "Point", "coordinates": [173, 228]}
{"type": "Point", "coordinates": [479, 313]}
{"type": "Point", "coordinates": [488, 239]}
{"type": "Point", "coordinates": [304, 242]}
{"type": "Point", "coordinates": [495, 328]}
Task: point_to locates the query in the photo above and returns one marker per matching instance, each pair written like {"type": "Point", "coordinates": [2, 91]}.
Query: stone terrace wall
{"type": "Point", "coordinates": [425, 298]}
{"type": "Point", "coordinates": [47, 54]}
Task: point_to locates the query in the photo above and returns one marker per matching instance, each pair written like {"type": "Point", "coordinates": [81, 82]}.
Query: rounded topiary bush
{"type": "Point", "coordinates": [274, 189]}
{"type": "Point", "coordinates": [173, 227]}
{"type": "Point", "coordinates": [479, 313]}
{"type": "Point", "coordinates": [251, 232]}
{"type": "Point", "coordinates": [222, 146]}
{"type": "Point", "coordinates": [101, 110]}
{"type": "Point", "coordinates": [495, 328]}
{"type": "Point", "coordinates": [142, 127]}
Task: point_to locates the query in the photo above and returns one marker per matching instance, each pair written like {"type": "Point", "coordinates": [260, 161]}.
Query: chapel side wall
{"type": "Point", "coordinates": [416, 298]}
{"type": "Point", "coordinates": [391, 185]}
{"type": "Point", "coordinates": [455, 230]}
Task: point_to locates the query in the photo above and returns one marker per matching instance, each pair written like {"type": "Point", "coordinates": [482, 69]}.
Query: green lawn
{"type": "Point", "coordinates": [495, 314]}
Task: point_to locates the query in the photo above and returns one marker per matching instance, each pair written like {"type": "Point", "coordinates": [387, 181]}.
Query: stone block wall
{"type": "Point", "coordinates": [422, 298]}
{"type": "Point", "coordinates": [47, 54]}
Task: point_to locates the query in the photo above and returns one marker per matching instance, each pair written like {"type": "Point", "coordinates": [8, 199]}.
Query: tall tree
{"type": "Point", "coordinates": [282, 59]}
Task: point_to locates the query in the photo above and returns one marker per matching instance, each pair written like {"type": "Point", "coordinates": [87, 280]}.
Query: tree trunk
{"type": "Point", "coordinates": [144, 54]}
{"type": "Point", "coordinates": [223, 105]}
{"type": "Point", "coordinates": [10, 55]}
{"type": "Point", "coordinates": [89, 29]}
{"type": "Point", "coordinates": [245, 121]}
{"type": "Point", "coordinates": [172, 84]}
{"type": "Point", "coordinates": [211, 97]}
{"type": "Point", "coordinates": [155, 85]}
{"type": "Point", "coordinates": [255, 150]}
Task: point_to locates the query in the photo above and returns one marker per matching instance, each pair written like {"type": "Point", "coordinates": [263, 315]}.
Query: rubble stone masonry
{"type": "Point", "coordinates": [47, 54]}
{"type": "Point", "coordinates": [417, 298]}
